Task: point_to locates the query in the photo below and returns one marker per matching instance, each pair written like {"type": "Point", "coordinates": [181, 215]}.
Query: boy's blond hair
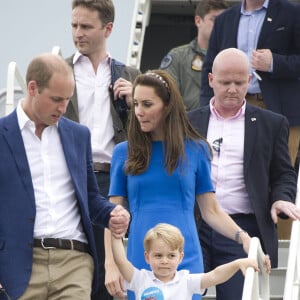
{"type": "Point", "coordinates": [170, 234]}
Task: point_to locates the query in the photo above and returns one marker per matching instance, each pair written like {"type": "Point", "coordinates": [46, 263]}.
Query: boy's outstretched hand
{"type": "Point", "coordinates": [245, 263]}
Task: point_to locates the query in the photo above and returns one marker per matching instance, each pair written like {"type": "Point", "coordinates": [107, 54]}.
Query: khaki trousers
{"type": "Point", "coordinates": [60, 274]}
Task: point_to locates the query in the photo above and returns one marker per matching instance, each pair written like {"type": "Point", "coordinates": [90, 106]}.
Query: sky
{"type": "Point", "coordinates": [31, 27]}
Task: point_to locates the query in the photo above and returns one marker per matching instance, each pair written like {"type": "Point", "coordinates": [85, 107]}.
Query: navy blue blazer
{"type": "Point", "coordinates": [280, 33]}
{"type": "Point", "coordinates": [17, 201]}
{"type": "Point", "coordinates": [269, 175]}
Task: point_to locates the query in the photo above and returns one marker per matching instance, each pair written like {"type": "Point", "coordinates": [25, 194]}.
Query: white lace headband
{"type": "Point", "coordinates": [159, 78]}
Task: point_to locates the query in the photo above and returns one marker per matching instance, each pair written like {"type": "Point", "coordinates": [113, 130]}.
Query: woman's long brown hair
{"type": "Point", "coordinates": [176, 127]}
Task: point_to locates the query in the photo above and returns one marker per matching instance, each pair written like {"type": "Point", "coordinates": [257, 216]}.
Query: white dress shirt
{"type": "Point", "coordinates": [94, 104]}
{"type": "Point", "coordinates": [57, 213]}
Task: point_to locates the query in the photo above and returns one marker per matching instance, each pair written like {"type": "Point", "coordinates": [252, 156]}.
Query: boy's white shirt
{"type": "Point", "coordinates": [147, 286]}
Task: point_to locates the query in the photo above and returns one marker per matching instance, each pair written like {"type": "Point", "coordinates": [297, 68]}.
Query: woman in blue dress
{"type": "Point", "coordinates": [162, 168]}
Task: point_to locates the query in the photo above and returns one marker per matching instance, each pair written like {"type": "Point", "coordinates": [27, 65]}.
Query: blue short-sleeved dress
{"type": "Point", "coordinates": [157, 197]}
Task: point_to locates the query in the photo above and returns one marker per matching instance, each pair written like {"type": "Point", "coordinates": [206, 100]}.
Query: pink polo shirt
{"type": "Point", "coordinates": [226, 136]}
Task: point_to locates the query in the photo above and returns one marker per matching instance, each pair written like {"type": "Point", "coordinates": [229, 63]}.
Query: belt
{"type": "Point", "coordinates": [50, 243]}
{"type": "Point", "coordinates": [257, 96]}
{"type": "Point", "coordinates": [101, 167]}
{"type": "Point", "coordinates": [240, 215]}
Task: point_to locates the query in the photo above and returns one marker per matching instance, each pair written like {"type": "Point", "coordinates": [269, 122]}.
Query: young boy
{"type": "Point", "coordinates": [163, 246]}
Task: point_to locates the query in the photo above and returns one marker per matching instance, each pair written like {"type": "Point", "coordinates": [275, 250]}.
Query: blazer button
{"type": "Point", "coordinates": [31, 219]}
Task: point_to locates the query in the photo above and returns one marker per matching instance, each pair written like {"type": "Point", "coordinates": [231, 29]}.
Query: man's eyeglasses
{"type": "Point", "coordinates": [216, 145]}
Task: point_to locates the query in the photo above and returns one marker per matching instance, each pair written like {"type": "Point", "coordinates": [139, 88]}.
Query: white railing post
{"type": "Point", "coordinates": [56, 50]}
{"type": "Point", "coordinates": [12, 73]}
{"type": "Point", "coordinates": [140, 21]}
{"type": "Point", "coordinates": [251, 284]}
{"type": "Point", "coordinates": [292, 280]}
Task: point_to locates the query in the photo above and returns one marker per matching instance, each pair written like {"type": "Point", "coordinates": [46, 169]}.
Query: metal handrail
{"type": "Point", "coordinates": [292, 280]}
{"type": "Point", "coordinates": [56, 50]}
{"type": "Point", "coordinates": [12, 73]}
{"type": "Point", "coordinates": [252, 286]}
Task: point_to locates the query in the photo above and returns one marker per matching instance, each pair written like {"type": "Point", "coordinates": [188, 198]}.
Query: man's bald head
{"type": "Point", "coordinates": [231, 56]}
{"type": "Point", "coordinates": [229, 79]}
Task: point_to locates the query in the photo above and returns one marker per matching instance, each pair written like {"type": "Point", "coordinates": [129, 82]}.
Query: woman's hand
{"type": "Point", "coordinates": [114, 281]}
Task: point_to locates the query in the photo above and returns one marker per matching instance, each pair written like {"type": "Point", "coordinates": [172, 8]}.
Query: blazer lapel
{"type": "Point", "coordinates": [74, 103]}
{"type": "Point", "coordinates": [235, 20]}
{"type": "Point", "coordinates": [269, 21]}
{"type": "Point", "coordinates": [68, 144]}
{"type": "Point", "coordinates": [200, 120]}
{"type": "Point", "coordinates": [73, 109]}
{"type": "Point", "coordinates": [15, 143]}
{"type": "Point", "coordinates": [250, 135]}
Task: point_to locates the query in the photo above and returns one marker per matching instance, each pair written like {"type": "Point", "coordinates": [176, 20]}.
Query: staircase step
{"type": "Point", "coordinates": [283, 252]}
{"type": "Point", "coordinates": [277, 281]}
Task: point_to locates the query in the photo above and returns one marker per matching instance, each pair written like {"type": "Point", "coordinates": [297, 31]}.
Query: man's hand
{"type": "Point", "coordinates": [267, 263]}
{"type": "Point", "coordinates": [288, 208]}
{"type": "Point", "coordinates": [261, 60]}
{"type": "Point", "coordinates": [123, 88]}
{"type": "Point", "coordinates": [119, 221]}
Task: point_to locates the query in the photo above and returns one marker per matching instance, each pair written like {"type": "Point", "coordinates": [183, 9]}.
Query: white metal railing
{"type": "Point", "coordinates": [56, 50]}
{"type": "Point", "coordinates": [140, 21]}
{"type": "Point", "coordinates": [12, 73]}
{"type": "Point", "coordinates": [292, 280]}
{"type": "Point", "coordinates": [256, 285]}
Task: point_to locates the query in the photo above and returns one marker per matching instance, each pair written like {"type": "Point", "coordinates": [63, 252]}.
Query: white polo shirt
{"type": "Point", "coordinates": [147, 286]}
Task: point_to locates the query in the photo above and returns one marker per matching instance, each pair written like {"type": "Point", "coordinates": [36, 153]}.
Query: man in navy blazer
{"type": "Point", "coordinates": [251, 168]}
{"type": "Point", "coordinates": [49, 194]}
{"type": "Point", "coordinates": [276, 61]}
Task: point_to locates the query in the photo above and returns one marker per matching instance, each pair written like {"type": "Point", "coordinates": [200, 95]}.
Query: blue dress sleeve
{"type": "Point", "coordinates": [203, 172]}
{"type": "Point", "coordinates": [118, 178]}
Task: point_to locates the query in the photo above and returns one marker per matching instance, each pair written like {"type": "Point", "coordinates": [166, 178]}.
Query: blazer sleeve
{"type": "Point", "coordinates": [285, 43]}
{"type": "Point", "coordinates": [283, 179]}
